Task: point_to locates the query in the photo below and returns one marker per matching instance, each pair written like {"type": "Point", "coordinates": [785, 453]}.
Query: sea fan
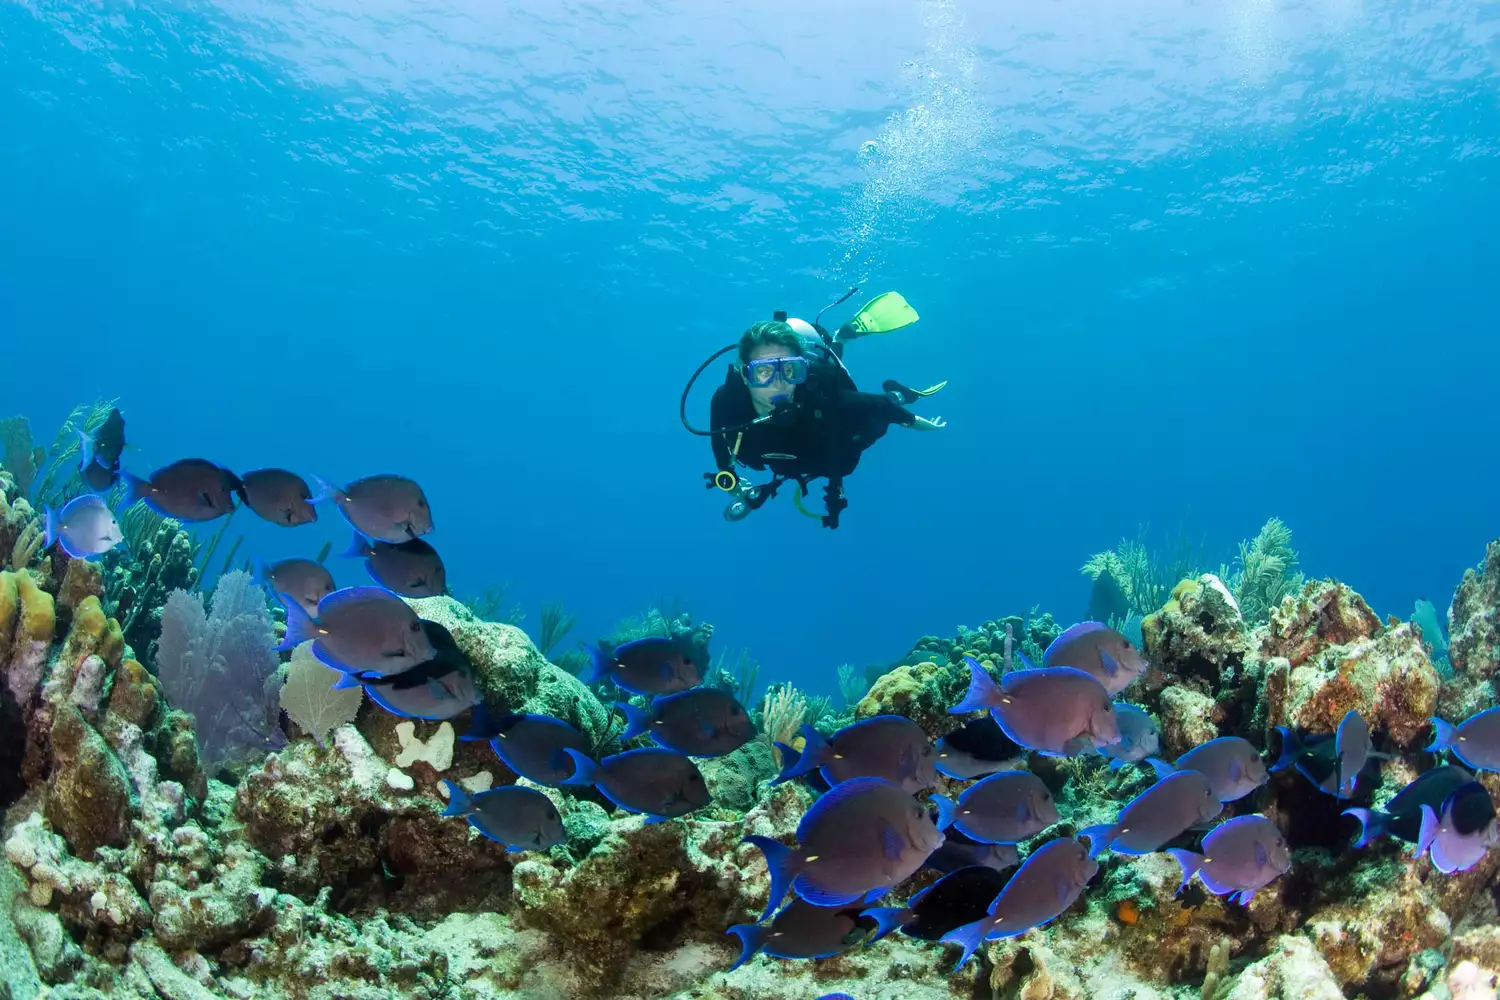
{"type": "Point", "coordinates": [221, 665]}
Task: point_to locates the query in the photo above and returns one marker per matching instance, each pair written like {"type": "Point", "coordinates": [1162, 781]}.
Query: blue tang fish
{"type": "Point", "coordinates": [360, 629]}
{"type": "Point", "coordinates": [387, 507]}
{"type": "Point", "coordinates": [1163, 811]}
{"type": "Point", "coordinates": [661, 783]}
{"type": "Point", "coordinates": [961, 897]}
{"type": "Point", "coordinates": [1240, 857]}
{"type": "Point", "coordinates": [1402, 815]}
{"type": "Point", "coordinates": [701, 722]}
{"type": "Point", "coordinates": [1230, 763]}
{"type": "Point", "coordinates": [1475, 741]}
{"type": "Point", "coordinates": [887, 746]}
{"type": "Point", "coordinates": [534, 746]}
{"type": "Point", "coordinates": [1457, 835]}
{"type": "Point", "coordinates": [1333, 765]}
{"type": "Point", "coordinates": [802, 930]}
{"type": "Point", "coordinates": [1097, 649]}
{"type": "Point", "coordinates": [650, 666]}
{"type": "Point", "coordinates": [192, 489]}
{"type": "Point", "coordinates": [278, 496]}
{"type": "Point", "coordinates": [1139, 737]}
{"type": "Point", "coordinates": [977, 748]}
{"type": "Point", "coordinates": [99, 453]}
{"type": "Point", "coordinates": [1004, 808]}
{"type": "Point", "coordinates": [1056, 711]}
{"type": "Point", "coordinates": [523, 819]}
{"type": "Point", "coordinates": [85, 528]}
{"type": "Point", "coordinates": [856, 842]}
{"type": "Point", "coordinates": [1048, 883]}
{"type": "Point", "coordinates": [411, 568]}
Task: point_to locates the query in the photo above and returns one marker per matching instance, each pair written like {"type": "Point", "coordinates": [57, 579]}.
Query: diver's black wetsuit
{"type": "Point", "coordinates": [821, 434]}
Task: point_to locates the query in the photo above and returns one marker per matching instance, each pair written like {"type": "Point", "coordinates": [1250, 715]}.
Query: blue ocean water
{"type": "Point", "coordinates": [1187, 265]}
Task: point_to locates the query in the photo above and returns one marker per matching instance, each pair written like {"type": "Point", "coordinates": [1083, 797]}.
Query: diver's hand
{"type": "Point", "coordinates": [928, 424]}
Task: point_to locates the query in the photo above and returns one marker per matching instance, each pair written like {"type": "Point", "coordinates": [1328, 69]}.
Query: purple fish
{"type": "Point", "coordinates": [653, 665]}
{"type": "Point", "coordinates": [192, 489]}
{"type": "Point", "coordinates": [1475, 741]}
{"type": "Point", "coordinates": [99, 453]}
{"type": "Point", "coordinates": [655, 781]}
{"type": "Point", "coordinates": [1458, 835]}
{"type": "Point", "coordinates": [535, 746]}
{"type": "Point", "coordinates": [1139, 737]}
{"type": "Point", "coordinates": [360, 629]}
{"type": "Point", "coordinates": [802, 930]}
{"type": "Point", "coordinates": [523, 819]}
{"type": "Point", "coordinates": [702, 722]}
{"type": "Point", "coordinates": [958, 898]}
{"type": "Point", "coordinates": [1098, 650]}
{"type": "Point", "coordinates": [1240, 857]}
{"type": "Point", "coordinates": [960, 851]}
{"type": "Point", "coordinates": [1333, 765]}
{"type": "Point", "coordinates": [1056, 711]}
{"type": "Point", "coordinates": [385, 507]}
{"type": "Point", "coordinates": [856, 842]}
{"type": "Point", "coordinates": [887, 746]}
{"type": "Point", "coordinates": [279, 496]}
{"type": "Point", "coordinates": [1161, 812]}
{"type": "Point", "coordinates": [303, 580]}
{"type": "Point", "coordinates": [85, 527]}
{"type": "Point", "coordinates": [411, 568]}
{"type": "Point", "coordinates": [1004, 808]}
{"type": "Point", "coordinates": [1232, 766]}
{"type": "Point", "coordinates": [1046, 885]}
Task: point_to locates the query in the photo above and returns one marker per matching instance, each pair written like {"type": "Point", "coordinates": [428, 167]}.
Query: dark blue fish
{"type": "Point", "coordinates": [386, 507]}
{"type": "Point", "coordinates": [1056, 711]}
{"type": "Point", "coordinates": [812, 779]}
{"type": "Point", "coordinates": [1044, 887]}
{"type": "Point", "coordinates": [802, 930]}
{"type": "Point", "coordinates": [441, 688]}
{"type": "Point", "coordinates": [99, 453]}
{"type": "Point", "coordinates": [411, 568]}
{"type": "Point", "coordinates": [279, 496]}
{"type": "Point", "coordinates": [702, 722]}
{"type": "Point", "coordinates": [1334, 764]}
{"type": "Point", "coordinates": [84, 528]}
{"type": "Point", "coordinates": [856, 842]}
{"type": "Point", "coordinates": [534, 746]}
{"type": "Point", "coordinates": [523, 819]}
{"type": "Point", "coordinates": [1004, 808]}
{"type": "Point", "coordinates": [1458, 835]}
{"type": "Point", "coordinates": [1475, 741]}
{"type": "Point", "coordinates": [1232, 766]}
{"type": "Point", "coordinates": [1139, 737]}
{"type": "Point", "coordinates": [192, 489]}
{"type": "Point", "coordinates": [303, 580]}
{"type": "Point", "coordinates": [653, 665]}
{"type": "Point", "coordinates": [360, 629]}
{"type": "Point", "coordinates": [1163, 811]}
{"type": "Point", "coordinates": [1097, 649]}
{"type": "Point", "coordinates": [1240, 857]}
{"type": "Point", "coordinates": [1402, 816]}
{"type": "Point", "coordinates": [961, 897]}
{"type": "Point", "coordinates": [978, 748]}
{"type": "Point", "coordinates": [959, 851]}
{"type": "Point", "coordinates": [887, 746]}
{"type": "Point", "coordinates": [655, 781]}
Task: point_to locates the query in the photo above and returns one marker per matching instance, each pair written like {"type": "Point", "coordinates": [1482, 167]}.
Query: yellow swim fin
{"type": "Point", "coordinates": [906, 395]}
{"type": "Point", "coordinates": [882, 314]}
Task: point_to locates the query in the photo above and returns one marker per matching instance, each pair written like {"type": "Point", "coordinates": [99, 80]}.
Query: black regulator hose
{"type": "Point", "coordinates": [682, 408]}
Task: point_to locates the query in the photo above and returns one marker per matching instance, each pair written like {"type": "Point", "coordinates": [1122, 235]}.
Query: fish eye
{"type": "Point", "coordinates": [414, 627]}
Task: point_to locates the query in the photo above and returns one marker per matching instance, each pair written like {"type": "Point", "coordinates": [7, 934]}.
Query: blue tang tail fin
{"type": "Point", "coordinates": [325, 491]}
{"type": "Point", "coordinates": [1190, 863]}
{"type": "Point", "coordinates": [816, 751]}
{"type": "Point", "coordinates": [85, 449]}
{"type": "Point", "coordinates": [136, 489]}
{"type": "Point", "coordinates": [968, 937]}
{"type": "Point", "coordinates": [1429, 830]}
{"type": "Point", "coordinates": [1443, 736]}
{"type": "Point", "coordinates": [459, 802]}
{"type": "Point", "coordinates": [947, 811]}
{"type": "Point", "coordinates": [637, 720]}
{"type": "Point", "coordinates": [887, 919]}
{"type": "Point", "coordinates": [1099, 837]}
{"type": "Point", "coordinates": [1161, 767]}
{"type": "Point", "coordinates": [782, 863]}
{"type": "Point", "coordinates": [983, 694]}
{"type": "Point", "coordinates": [600, 664]}
{"type": "Point", "coordinates": [752, 939]}
{"type": "Point", "coordinates": [1291, 749]}
{"type": "Point", "coordinates": [299, 624]}
{"type": "Point", "coordinates": [49, 531]}
{"type": "Point", "coordinates": [1373, 824]}
{"type": "Point", "coordinates": [359, 548]}
{"type": "Point", "coordinates": [482, 725]}
{"type": "Point", "coordinates": [585, 770]}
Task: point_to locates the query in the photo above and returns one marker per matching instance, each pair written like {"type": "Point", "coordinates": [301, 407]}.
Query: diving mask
{"type": "Point", "coordinates": [763, 372]}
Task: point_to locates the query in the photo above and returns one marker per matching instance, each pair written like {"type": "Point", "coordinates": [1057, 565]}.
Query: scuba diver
{"type": "Point", "coordinates": [788, 404]}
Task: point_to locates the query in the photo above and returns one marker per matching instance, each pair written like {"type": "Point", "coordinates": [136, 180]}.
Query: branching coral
{"type": "Point", "coordinates": [1264, 572]}
{"type": "Point", "coordinates": [782, 715]}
